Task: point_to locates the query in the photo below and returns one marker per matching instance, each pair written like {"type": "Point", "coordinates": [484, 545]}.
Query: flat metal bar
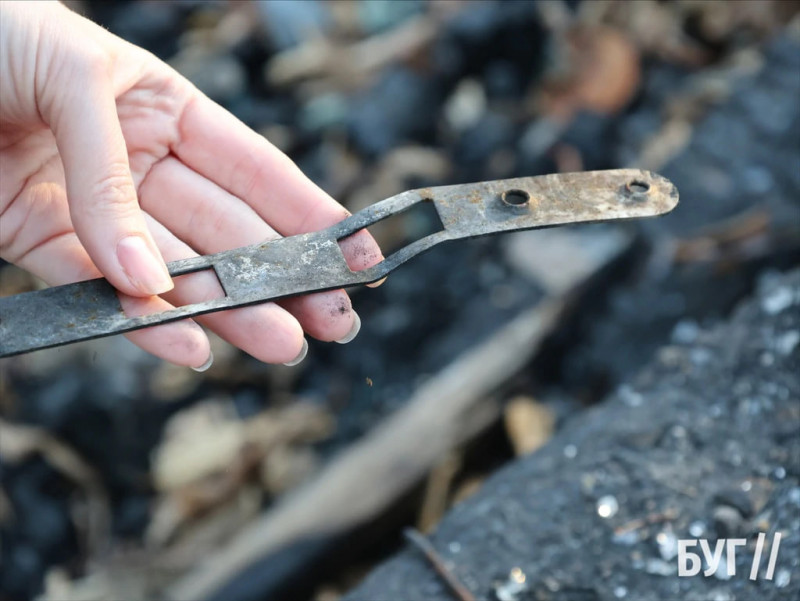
{"type": "Point", "coordinates": [314, 262]}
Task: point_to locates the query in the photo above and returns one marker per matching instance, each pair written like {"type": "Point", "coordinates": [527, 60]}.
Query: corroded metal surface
{"type": "Point", "coordinates": [314, 262]}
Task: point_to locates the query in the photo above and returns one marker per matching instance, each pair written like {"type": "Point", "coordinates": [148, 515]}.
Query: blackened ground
{"type": "Point", "coordinates": [743, 156]}
{"type": "Point", "coordinates": [715, 414]}
{"type": "Point", "coordinates": [420, 320]}
{"type": "Point", "coordinates": [704, 442]}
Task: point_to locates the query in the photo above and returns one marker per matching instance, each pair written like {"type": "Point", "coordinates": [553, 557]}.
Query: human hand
{"type": "Point", "coordinates": [87, 123]}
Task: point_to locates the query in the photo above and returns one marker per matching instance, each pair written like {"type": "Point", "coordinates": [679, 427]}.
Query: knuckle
{"type": "Point", "coordinates": [114, 191]}
{"type": "Point", "coordinates": [94, 61]}
{"type": "Point", "coordinates": [248, 173]}
{"type": "Point", "coordinates": [67, 61]}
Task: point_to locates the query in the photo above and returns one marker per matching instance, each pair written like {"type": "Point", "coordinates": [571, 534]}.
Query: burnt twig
{"type": "Point", "coordinates": [424, 545]}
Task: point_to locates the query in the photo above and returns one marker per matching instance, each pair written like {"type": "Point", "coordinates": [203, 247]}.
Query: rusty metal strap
{"type": "Point", "coordinates": [314, 262]}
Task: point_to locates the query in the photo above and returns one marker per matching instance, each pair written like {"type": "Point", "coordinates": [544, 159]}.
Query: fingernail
{"type": "Point", "coordinates": [378, 283]}
{"type": "Point", "coordinates": [205, 365]}
{"type": "Point", "coordinates": [301, 356]}
{"type": "Point", "coordinates": [353, 330]}
{"type": "Point", "coordinates": [145, 271]}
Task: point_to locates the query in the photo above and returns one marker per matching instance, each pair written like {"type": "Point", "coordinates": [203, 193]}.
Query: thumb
{"type": "Point", "coordinates": [102, 196]}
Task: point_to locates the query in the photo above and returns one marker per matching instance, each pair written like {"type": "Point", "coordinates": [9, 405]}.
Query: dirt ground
{"type": "Point", "coordinates": [703, 443]}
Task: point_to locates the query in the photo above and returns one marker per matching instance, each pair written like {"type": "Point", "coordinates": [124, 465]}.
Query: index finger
{"type": "Point", "coordinates": [223, 149]}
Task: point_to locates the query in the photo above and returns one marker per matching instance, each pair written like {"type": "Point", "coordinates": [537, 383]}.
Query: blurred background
{"type": "Point", "coordinates": [127, 478]}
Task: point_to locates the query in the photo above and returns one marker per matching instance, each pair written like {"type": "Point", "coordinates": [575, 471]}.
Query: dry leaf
{"type": "Point", "coordinates": [529, 424]}
{"type": "Point", "coordinates": [602, 73]}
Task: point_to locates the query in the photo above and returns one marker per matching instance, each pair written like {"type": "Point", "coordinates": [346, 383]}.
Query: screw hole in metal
{"type": "Point", "coordinates": [515, 198]}
{"type": "Point", "coordinates": [637, 187]}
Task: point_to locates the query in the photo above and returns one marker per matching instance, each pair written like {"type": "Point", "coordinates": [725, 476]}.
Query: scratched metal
{"type": "Point", "coordinates": [314, 262]}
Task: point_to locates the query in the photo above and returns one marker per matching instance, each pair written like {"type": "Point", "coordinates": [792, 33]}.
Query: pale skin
{"type": "Point", "coordinates": [111, 163]}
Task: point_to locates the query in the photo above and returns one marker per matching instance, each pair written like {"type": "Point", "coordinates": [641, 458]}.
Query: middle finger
{"type": "Point", "coordinates": [210, 220]}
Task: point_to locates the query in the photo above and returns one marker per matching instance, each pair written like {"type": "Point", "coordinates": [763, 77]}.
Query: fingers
{"type": "Point", "coordinates": [327, 316]}
{"type": "Point", "coordinates": [62, 259]}
{"type": "Point", "coordinates": [199, 212]}
{"type": "Point", "coordinates": [220, 147]}
{"type": "Point", "coordinates": [267, 332]}
{"type": "Point", "coordinates": [210, 220]}
{"type": "Point", "coordinates": [45, 244]}
{"type": "Point", "coordinates": [181, 342]}
{"type": "Point", "coordinates": [102, 197]}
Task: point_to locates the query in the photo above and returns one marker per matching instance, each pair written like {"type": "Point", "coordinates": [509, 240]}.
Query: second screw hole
{"type": "Point", "coordinates": [515, 198]}
{"type": "Point", "coordinates": [638, 187]}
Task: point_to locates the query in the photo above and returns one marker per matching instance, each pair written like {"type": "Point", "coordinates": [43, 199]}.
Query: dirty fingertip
{"type": "Point", "coordinates": [361, 251]}
{"type": "Point", "coordinates": [378, 283]}
{"type": "Point", "coordinates": [354, 330]}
